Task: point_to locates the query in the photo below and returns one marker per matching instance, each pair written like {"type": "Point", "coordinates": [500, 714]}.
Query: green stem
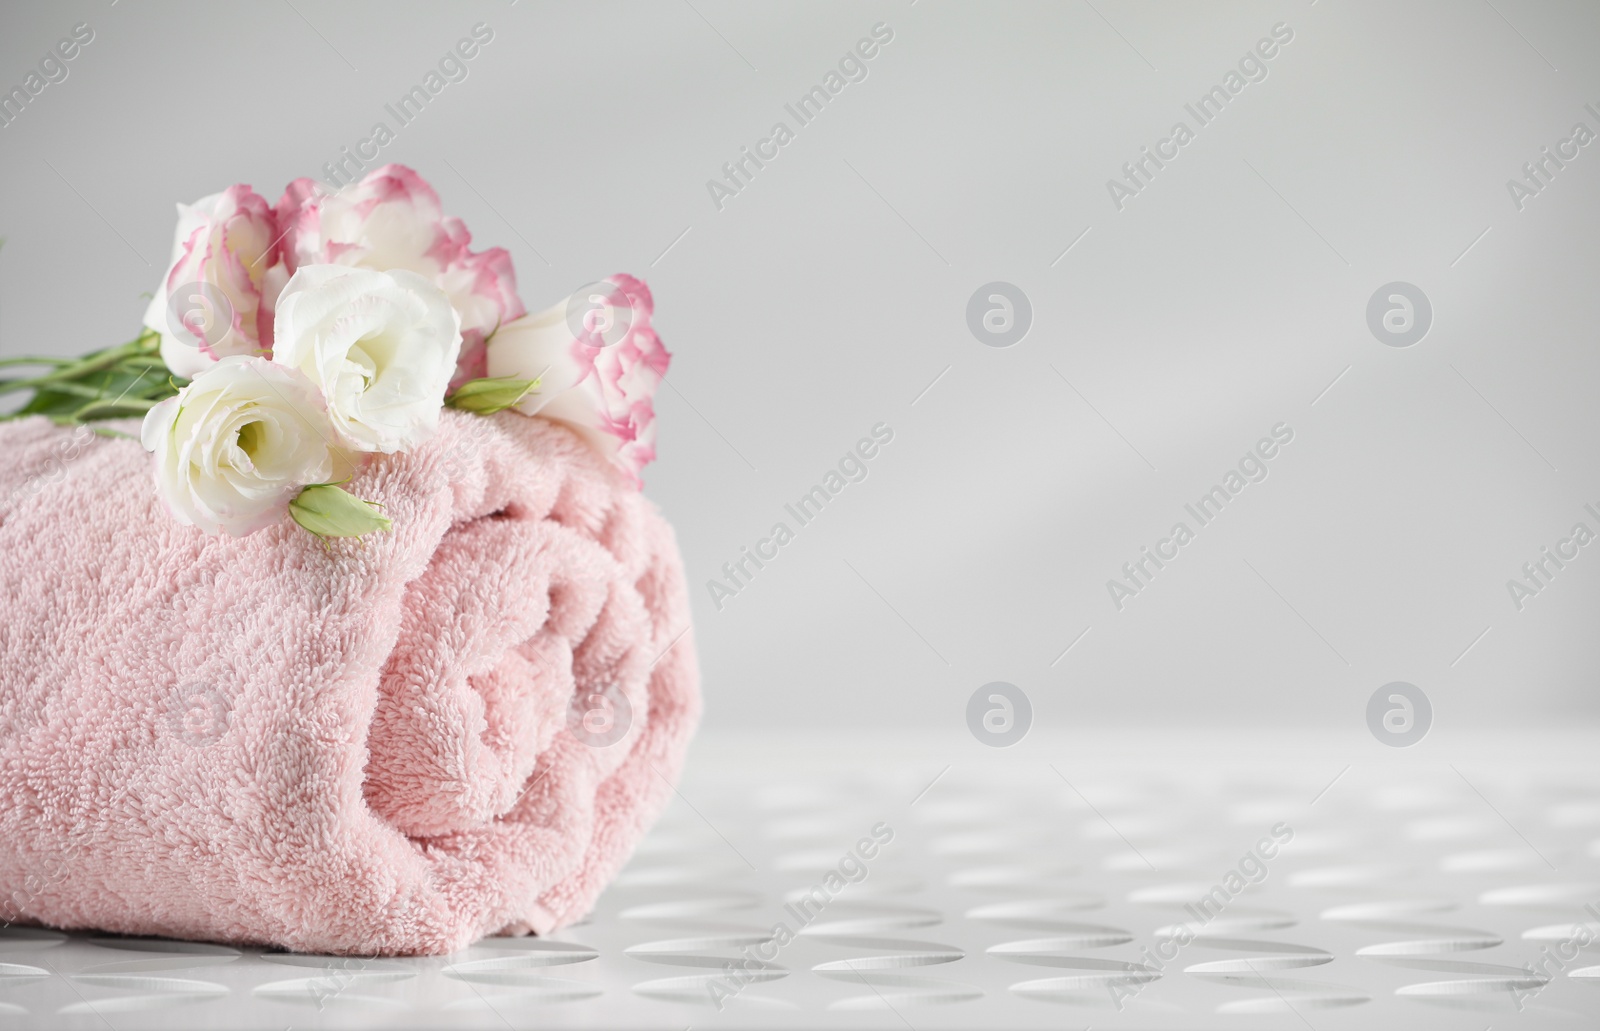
{"type": "Point", "coordinates": [139, 348]}
{"type": "Point", "coordinates": [93, 377]}
{"type": "Point", "coordinates": [94, 362]}
{"type": "Point", "coordinates": [77, 390]}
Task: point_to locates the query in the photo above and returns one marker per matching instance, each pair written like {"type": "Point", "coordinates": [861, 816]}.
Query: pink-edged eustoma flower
{"type": "Point", "coordinates": [226, 266]}
{"type": "Point", "coordinates": [603, 390]}
{"type": "Point", "coordinates": [392, 220]}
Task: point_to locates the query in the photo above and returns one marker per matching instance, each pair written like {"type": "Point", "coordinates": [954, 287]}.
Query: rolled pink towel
{"type": "Point", "coordinates": [395, 744]}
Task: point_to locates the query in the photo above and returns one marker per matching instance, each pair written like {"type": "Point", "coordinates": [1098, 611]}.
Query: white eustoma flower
{"type": "Point", "coordinates": [236, 445]}
{"type": "Point", "coordinates": [381, 346]}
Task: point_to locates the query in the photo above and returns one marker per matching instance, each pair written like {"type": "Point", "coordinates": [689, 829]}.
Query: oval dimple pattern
{"type": "Point", "coordinates": [1009, 896]}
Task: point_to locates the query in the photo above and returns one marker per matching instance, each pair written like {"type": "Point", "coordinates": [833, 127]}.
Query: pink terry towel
{"type": "Point", "coordinates": [391, 745]}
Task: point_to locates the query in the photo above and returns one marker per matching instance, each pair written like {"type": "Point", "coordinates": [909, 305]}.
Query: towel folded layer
{"type": "Point", "coordinates": [388, 745]}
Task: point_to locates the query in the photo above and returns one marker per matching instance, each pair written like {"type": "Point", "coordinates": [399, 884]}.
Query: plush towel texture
{"type": "Point", "coordinates": [358, 748]}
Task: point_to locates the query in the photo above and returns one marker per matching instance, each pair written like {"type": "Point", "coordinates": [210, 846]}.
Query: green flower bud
{"type": "Point", "coordinates": [330, 511]}
{"type": "Point", "coordinates": [494, 394]}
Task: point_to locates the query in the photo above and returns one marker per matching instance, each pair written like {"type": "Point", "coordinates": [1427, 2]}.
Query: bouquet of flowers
{"type": "Point", "coordinates": [290, 344]}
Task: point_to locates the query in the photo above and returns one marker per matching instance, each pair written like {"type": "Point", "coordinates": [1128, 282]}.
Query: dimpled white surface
{"type": "Point", "coordinates": [1034, 886]}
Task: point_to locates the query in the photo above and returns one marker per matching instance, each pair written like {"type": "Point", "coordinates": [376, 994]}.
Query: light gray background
{"type": "Point", "coordinates": [831, 292]}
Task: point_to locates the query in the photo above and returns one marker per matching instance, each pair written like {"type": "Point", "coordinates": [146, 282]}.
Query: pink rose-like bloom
{"type": "Point", "coordinates": [226, 266]}
{"type": "Point", "coordinates": [392, 220]}
{"type": "Point", "coordinates": [604, 391]}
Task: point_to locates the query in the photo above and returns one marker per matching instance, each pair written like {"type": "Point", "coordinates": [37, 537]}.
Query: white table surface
{"type": "Point", "coordinates": [1018, 887]}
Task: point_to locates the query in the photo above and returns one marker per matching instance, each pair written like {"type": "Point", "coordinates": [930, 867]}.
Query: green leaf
{"type": "Point", "coordinates": [51, 402]}
{"type": "Point", "coordinates": [120, 382]}
{"type": "Point", "coordinates": [490, 395]}
{"type": "Point", "coordinates": [330, 511]}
